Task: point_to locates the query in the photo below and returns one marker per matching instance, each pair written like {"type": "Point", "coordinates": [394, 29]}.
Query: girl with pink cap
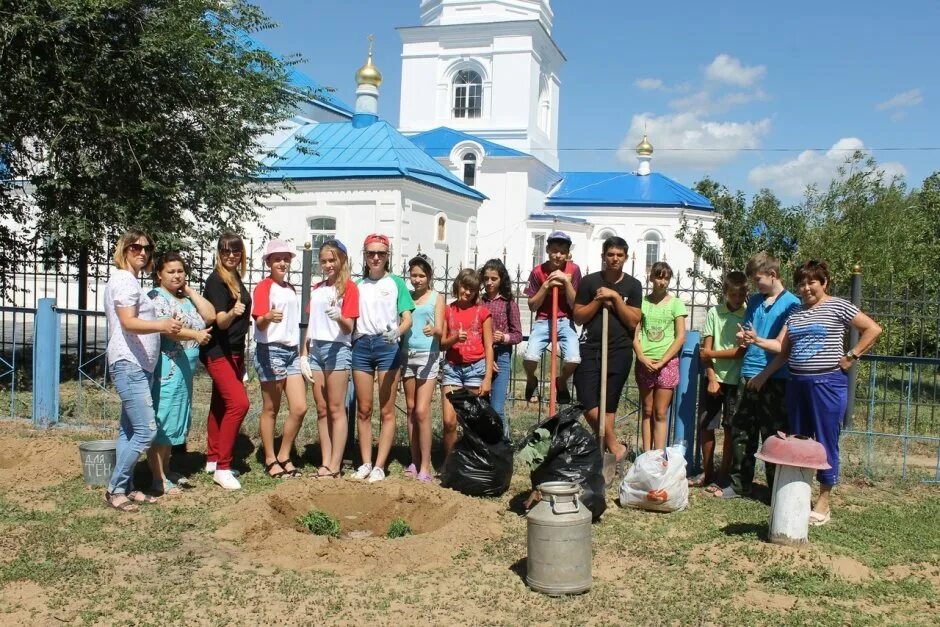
{"type": "Point", "coordinates": [276, 313]}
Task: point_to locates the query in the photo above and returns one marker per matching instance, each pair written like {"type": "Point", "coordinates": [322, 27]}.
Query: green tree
{"type": "Point", "coordinates": [131, 112]}
{"type": "Point", "coordinates": [740, 231]}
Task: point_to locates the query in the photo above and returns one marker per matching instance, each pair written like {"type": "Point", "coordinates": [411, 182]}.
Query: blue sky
{"type": "Point", "coordinates": [819, 78]}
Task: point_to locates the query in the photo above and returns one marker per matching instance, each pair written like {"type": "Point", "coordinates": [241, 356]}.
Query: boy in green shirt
{"type": "Point", "coordinates": [721, 358]}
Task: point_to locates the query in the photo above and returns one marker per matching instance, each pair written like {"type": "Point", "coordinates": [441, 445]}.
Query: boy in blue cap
{"type": "Point", "coordinates": [557, 272]}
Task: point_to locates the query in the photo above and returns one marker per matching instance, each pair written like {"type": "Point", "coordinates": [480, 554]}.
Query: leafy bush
{"type": "Point", "coordinates": [398, 528]}
{"type": "Point", "coordinates": [320, 523]}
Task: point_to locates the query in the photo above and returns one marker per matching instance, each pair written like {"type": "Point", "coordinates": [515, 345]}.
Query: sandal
{"type": "Point", "coordinates": [532, 394]}
{"type": "Point", "coordinates": [818, 520]}
{"type": "Point", "coordinates": [290, 473]}
{"type": "Point", "coordinates": [139, 497]}
{"type": "Point", "coordinates": [713, 489]}
{"type": "Point", "coordinates": [277, 475]}
{"type": "Point", "coordinates": [329, 474]}
{"type": "Point", "coordinates": [165, 488]}
{"type": "Point", "coordinates": [726, 493]}
{"type": "Point", "coordinates": [697, 481]}
{"type": "Point", "coordinates": [125, 506]}
{"type": "Point", "coordinates": [412, 471]}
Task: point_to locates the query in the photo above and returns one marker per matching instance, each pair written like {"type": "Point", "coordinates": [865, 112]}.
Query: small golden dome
{"type": "Point", "coordinates": [644, 148]}
{"type": "Point", "coordinates": [368, 74]}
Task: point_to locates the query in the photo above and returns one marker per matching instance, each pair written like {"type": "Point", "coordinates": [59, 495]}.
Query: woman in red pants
{"type": "Point", "coordinates": [224, 357]}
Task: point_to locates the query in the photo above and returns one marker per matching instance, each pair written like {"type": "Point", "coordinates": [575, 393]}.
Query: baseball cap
{"type": "Point", "coordinates": [558, 236]}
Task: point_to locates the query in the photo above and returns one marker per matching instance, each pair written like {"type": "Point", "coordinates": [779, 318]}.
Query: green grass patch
{"type": "Point", "coordinates": [398, 528]}
{"type": "Point", "coordinates": [320, 523]}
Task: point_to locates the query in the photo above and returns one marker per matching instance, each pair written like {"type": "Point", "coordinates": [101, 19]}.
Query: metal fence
{"type": "Point", "coordinates": [897, 394]}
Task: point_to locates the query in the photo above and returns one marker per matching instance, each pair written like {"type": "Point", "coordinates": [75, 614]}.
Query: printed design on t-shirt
{"type": "Point", "coordinates": [807, 341]}
{"type": "Point", "coordinates": [655, 334]}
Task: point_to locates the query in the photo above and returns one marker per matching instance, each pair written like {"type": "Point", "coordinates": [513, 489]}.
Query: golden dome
{"type": "Point", "coordinates": [368, 74]}
{"type": "Point", "coordinates": [644, 148]}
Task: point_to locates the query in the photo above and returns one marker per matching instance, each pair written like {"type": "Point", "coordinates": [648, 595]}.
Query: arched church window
{"type": "Point", "coordinates": [441, 234]}
{"type": "Point", "coordinates": [468, 94]}
{"type": "Point", "coordinates": [653, 249]}
{"type": "Point", "coordinates": [469, 168]}
{"type": "Point", "coordinates": [545, 107]}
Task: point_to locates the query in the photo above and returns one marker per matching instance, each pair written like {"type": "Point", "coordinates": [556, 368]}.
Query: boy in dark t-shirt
{"type": "Point", "coordinates": [622, 295]}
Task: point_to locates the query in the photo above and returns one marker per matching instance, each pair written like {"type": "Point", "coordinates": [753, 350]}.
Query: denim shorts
{"type": "Point", "coordinates": [464, 375]}
{"type": "Point", "coordinates": [371, 353]}
{"type": "Point", "coordinates": [541, 337]}
{"type": "Point", "coordinates": [276, 362]}
{"type": "Point", "coordinates": [420, 365]}
{"type": "Point", "coordinates": [329, 356]}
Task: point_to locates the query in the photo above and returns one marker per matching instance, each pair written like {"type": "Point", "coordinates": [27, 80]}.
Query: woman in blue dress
{"type": "Point", "coordinates": [173, 376]}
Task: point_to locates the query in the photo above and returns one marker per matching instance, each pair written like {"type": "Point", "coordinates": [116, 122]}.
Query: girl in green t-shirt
{"type": "Point", "coordinates": [657, 343]}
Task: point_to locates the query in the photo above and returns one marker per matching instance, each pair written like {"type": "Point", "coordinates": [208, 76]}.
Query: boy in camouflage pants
{"type": "Point", "coordinates": [761, 411]}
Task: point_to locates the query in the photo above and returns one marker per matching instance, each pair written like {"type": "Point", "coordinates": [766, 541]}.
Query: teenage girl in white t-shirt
{"type": "Point", "coordinates": [276, 312]}
{"type": "Point", "coordinates": [385, 308]}
{"type": "Point", "coordinates": [326, 354]}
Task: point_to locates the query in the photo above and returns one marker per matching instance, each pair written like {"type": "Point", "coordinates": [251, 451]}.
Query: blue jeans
{"type": "Point", "coordinates": [503, 355]}
{"type": "Point", "coordinates": [276, 362]}
{"type": "Point", "coordinates": [138, 424]}
{"type": "Point", "coordinates": [372, 352]}
{"type": "Point", "coordinates": [540, 338]}
{"type": "Point", "coordinates": [464, 375]}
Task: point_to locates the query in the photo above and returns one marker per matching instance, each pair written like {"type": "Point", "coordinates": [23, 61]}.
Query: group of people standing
{"type": "Point", "coordinates": [385, 333]}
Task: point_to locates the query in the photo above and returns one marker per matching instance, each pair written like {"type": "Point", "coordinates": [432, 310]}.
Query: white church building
{"type": "Point", "coordinates": [472, 171]}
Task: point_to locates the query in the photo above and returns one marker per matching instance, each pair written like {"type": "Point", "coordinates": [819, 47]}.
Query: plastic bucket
{"type": "Point", "coordinates": [98, 459]}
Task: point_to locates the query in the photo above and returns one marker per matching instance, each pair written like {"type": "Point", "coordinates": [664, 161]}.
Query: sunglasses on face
{"type": "Point", "coordinates": [377, 253]}
{"type": "Point", "coordinates": [137, 248]}
{"type": "Point", "coordinates": [230, 251]}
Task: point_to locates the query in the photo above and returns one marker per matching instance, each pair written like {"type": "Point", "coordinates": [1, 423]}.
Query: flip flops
{"type": "Point", "coordinates": [725, 493]}
{"type": "Point", "coordinates": [818, 520]}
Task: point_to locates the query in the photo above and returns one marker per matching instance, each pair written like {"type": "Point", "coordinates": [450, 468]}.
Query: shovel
{"type": "Point", "coordinates": [610, 460]}
{"type": "Point", "coordinates": [553, 368]}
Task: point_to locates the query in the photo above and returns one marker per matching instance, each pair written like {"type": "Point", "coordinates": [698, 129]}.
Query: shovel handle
{"type": "Point", "coordinates": [553, 368]}
{"type": "Point", "coordinates": [602, 406]}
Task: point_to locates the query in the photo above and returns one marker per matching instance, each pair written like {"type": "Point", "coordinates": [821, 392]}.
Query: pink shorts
{"type": "Point", "coordinates": [666, 379]}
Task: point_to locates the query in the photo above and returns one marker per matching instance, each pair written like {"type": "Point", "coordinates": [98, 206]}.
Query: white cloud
{"type": "Point", "coordinates": [728, 69]}
{"type": "Point", "coordinates": [687, 140]}
{"type": "Point", "coordinates": [649, 84]}
{"type": "Point", "coordinates": [811, 167]}
{"type": "Point", "coordinates": [705, 102]}
{"type": "Point", "coordinates": [910, 98]}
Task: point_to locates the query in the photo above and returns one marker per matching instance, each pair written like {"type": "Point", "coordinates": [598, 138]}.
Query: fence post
{"type": "Point", "coordinates": [46, 356]}
{"type": "Point", "coordinates": [683, 405]}
{"type": "Point", "coordinates": [305, 280]}
{"type": "Point", "coordinates": [856, 297]}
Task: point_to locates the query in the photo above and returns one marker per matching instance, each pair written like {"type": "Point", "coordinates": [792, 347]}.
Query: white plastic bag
{"type": "Point", "coordinates": [656, 481]}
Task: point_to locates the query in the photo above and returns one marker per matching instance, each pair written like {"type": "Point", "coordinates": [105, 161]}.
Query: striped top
{"type": "Point", "coordinates": [817, 336]}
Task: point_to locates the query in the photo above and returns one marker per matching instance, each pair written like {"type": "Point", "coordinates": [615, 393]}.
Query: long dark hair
{"type": "Point", "coordinates": [505, 285]}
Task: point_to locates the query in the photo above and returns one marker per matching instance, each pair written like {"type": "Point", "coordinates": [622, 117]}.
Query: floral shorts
{"type": "Point", "coordinates": [666, 379]}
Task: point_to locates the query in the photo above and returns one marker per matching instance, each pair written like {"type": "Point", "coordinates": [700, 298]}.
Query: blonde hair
{"type": "Point", "coordinates": [129, 237]}
{"type": "Point", "coordinates": [228, 277]}
{"type": "Point", "coordinates": [343, 273]}
{"type": "Point", "coordinates": [762, 263]}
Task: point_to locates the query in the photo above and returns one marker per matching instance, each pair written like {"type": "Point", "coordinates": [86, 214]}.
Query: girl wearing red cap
{"type": "Point", "coordinates": [276, 312]}
{"type": "Point", "coordinates": [385, 308]}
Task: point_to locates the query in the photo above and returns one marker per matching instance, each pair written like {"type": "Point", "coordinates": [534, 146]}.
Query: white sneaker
{"type": "Point", "coordinates": [377, 474]}
{"type": "Point", "coordinates": [210, 467]}
{"type": "Point", "coordinates": [362, 472]}
{"type": "Point", "coordinates": [225, 479]}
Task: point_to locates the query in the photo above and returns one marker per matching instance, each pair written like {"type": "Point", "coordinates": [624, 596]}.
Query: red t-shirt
{"type": "Point", "coordinates": [471, 319]}
{"type": "Point", "coordinates": [538, 276]}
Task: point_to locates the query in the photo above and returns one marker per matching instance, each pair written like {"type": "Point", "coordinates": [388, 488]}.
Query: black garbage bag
{"type": "Point", "coordinates": [481, 462]}
{"type": "Point", "coordinates": [575, 456]}
{"type": "Point", "coordinates": [477, 413]}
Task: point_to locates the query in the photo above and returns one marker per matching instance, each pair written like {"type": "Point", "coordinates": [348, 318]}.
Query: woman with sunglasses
{"type": "Point", "coordinates": [224, 357]}
{"type": "Point", "coordinates": [385, 308]}
{"type": "Point", "coordinates": [133, 349]}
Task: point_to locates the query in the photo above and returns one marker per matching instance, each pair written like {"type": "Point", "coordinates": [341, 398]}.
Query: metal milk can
{"type": "Point", "coordinates": [796, 457]}
{"type": "Point", "coordinates": [559, 541]}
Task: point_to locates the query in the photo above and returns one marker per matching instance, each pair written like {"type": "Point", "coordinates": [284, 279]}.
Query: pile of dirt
{"type": "Point", "coordinates": [30, 461]}
{"type": "Point", "coordinates": [443, 521]}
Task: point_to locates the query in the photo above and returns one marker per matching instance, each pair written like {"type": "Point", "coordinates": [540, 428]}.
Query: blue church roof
{"type": "Point", "coordinates": [623, 189]}
{"type": "Point", "coordinates": [319, 94]}
{"type": "Point", "coordinates": [339, 150]}
{"type": "Point", "coordinates": [440, 141]}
